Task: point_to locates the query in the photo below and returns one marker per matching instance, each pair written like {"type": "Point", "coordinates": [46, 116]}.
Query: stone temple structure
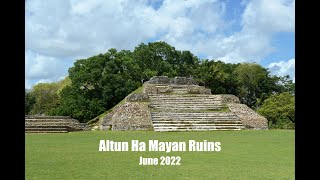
{"type": "Point", "coordinates": [179, 104]}
{"type": "Point", "coordinates": [52, 124]}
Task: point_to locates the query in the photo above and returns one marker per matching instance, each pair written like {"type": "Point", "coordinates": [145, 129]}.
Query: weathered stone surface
{"type": "Point", "coordinates": [249, 118]}
{"type": "Point", "coordinates": [132, 116]}
{"type": "Point", "coordinates": [137, 97]}
{"type": "Point", "coordinates": [157, 88]}
{"type": "Point", "coordinates": [106, 123]}
{"type": "Point", "coordinates": [166, 80]}
{"type": "Point", "coordinates": [181, 100]}
{"type": "Point", "coordinates": [159, 80]}
{"type": "Point", "coordinates": [182, 81]}
{"type": "Point", "coordinates": [53, 124]}
{"type": "Point", "coordinates": [198, 90]}
{"type": "Point", "coordinates": [229, 98]}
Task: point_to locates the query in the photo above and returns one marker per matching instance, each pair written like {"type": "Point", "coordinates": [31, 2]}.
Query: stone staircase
{"type": "Point", "coordinates": [52, 124]}
{"type": "Point", "coordinates": [180, 111]}
{"type": "Point", "coordinates": [186, 102]}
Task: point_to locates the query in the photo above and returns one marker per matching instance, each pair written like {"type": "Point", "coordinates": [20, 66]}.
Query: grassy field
{"type": "Point", "coordinates": [244, 155]}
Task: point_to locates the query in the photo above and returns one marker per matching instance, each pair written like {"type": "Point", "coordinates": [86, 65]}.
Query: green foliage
{"type": "Point", "coordinates": [217, 76]}
{"type": "Point", "coordinates": [286, 84]}
{"type": "Point", "coordinates": [279, 109]}
{"type": "Point", "coordinates": [29, 102]}
{"type": "Point", "coordinates": [282, 124]}
{"type": "Point", "coordinates": [46, 98]}
{"type": "Point", "coordinates": [253, 82]}
{"type": "Point", "coordinates": [63, 83]}
{"type": "Point", "coordinates": [43, 98]}
{"type": "Point", "coordinates": [98, 83]}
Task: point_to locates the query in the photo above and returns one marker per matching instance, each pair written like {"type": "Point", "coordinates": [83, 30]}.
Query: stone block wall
{"type": "Point", "coordinates": [72, 124]}
{"type": "Point", "coordinates": [198, 90]}
{"type": "Point", "coordinates": [156, 88]}
{"type": "Point", "coordinates": [182, 81]}
{"type": "Point", "coordinates": [176, 80]}
{"type": "Point", "coordinates": [249, 118]}
{"type": "Point", "coordinates": [229, 98]}
{"type": "Point", "coordinates": [137, 97]}
{"type": "Point", "coordinates": [159, 80]}
{"type": "Point", "coordinates": [132, 116]}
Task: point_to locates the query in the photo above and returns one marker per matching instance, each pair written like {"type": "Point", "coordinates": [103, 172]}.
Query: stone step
{"type": "Point", "coordinates": [183, 96]}
{"type": "Point", "coordinates": [183, 99]}
{"type": "Point", "coordinates": [176, 130]}
{"type": "Point", "coordinates": [179, 89]}
{"type": "Point", "coordinates": [47, 123]}
{"type": "Point", "coordinates": [195, 113]}
{"type": "Point", "coordinates": [170, 103]}
{"type": "Point", "coordinates": [196, 125]}
{"type": "Point", "coordinates": [187, 104]}
{"type": "Point", "coordinates": [191, 115]}
{"type": "Point", "coordinates": [186, 101]}
{"type": "Point", "coordinates": [196, 122]}
{"type": "Point", "coordinates": [187, 110]}
{"type": "Point", "coordinates": [46, 131]}
{"type": "Point", "coordinates": [196, 129]}
{"type": "Point", "coordinates": [51, 120]}
{"type": "Point", "coordinates": [166, 106]}
{"type": "Point", "coordinates": [180, 97]}
{"type": "Point", "coordinates": [45, 126]}
{"type": "Point", "coordinates": [47, 117]}
{"type": "Point", "coordinates": [217, 107]}
{"type": "Point", "coordinates": [199, 121]}
{"type": "Point", "coordinates": [186, 95]}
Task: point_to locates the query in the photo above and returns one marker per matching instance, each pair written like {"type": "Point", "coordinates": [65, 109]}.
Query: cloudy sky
{"type": "Point", "coordinates": [58, 32]}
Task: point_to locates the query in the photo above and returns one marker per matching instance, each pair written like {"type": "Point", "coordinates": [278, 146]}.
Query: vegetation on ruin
{"type": "Point", "coordinates": [98, 83]}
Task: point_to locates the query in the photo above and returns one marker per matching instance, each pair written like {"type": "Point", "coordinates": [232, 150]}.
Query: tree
{"type": "Point", "coordinates": [253, 83]}
{"type": "Point", "coordinates": [46, 97]}
{"type": "Point", "coordinates": [279, 109]}
{"type": "Point", "coordinates": [98, 83]}
{"type": "Point", "coordinates": [156, 58]}
{"type": "Point", "coordinates": [29, 102]}
{"type": "Point", "coordinates": [218, 76]}
{"type": "Point", "coordinates": [286, 84]}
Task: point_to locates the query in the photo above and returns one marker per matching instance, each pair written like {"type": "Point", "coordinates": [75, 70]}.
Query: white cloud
{"type": "Point", "coordinates": [283, 68]}
{"type": "Point", "coordinates": [260, 21]}
{"type": "Point", "coordinates": [40, 68]}
{"type": "Point", "coordinates": [269, 16]}
{"type": "Point", "coordinates": [61, 31]}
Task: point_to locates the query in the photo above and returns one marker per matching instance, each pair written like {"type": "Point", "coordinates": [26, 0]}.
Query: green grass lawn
{"type": "Point", "coordinates": [244, 155]}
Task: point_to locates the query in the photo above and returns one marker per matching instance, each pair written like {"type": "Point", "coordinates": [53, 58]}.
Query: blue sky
{"type": "Point", "coordinates": [59, 32]}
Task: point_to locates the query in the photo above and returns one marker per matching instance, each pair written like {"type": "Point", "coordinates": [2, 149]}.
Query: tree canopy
{"type": "Point", "coordinates": [279, 109]}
